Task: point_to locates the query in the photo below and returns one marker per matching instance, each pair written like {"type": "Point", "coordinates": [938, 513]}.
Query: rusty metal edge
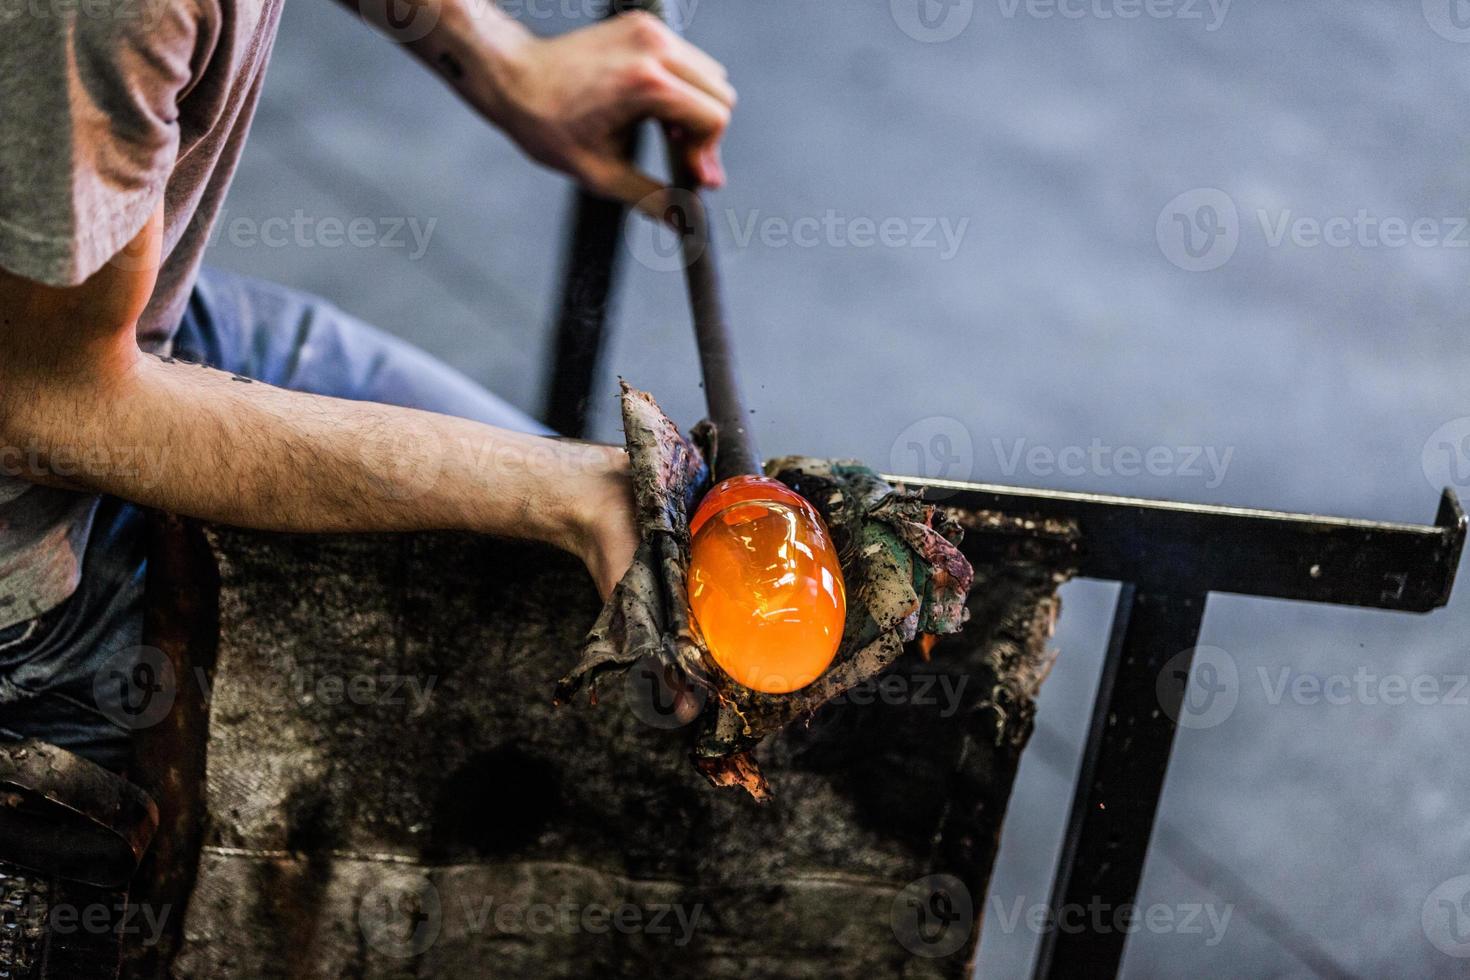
{"type": "Point", "coordinates": [182, 621]}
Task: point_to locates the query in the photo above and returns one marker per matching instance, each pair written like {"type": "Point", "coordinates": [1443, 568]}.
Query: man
{"type": "Point", "coordinates": [129, 376]}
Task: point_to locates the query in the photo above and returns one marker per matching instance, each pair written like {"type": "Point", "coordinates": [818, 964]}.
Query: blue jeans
{"type": "Point", "coordinates": [63, 676]}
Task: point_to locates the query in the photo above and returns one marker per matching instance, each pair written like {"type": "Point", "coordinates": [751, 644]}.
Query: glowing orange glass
{"type": "Point", "coordinates": [764, 584]}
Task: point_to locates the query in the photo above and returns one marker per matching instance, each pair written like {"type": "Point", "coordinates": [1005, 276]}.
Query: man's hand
{"type": "Point", "coordinates": [608, 524]}
{"type": "Point", "coordinates": [571, 101]}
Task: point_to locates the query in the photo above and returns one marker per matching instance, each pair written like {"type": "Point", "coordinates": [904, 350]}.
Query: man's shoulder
{"type": "Point", "coordinates": [84, 34]}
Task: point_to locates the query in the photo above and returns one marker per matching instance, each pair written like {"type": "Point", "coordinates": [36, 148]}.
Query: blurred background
{"type": "Point", "coordinates": [1025, 243]}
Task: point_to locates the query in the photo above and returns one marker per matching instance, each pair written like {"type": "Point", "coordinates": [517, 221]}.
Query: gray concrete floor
{"type": "Point", "coordinates": [1056, 320]}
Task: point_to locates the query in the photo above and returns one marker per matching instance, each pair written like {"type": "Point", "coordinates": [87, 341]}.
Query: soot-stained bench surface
{"type": "Point", "coordinates": [389, 790]}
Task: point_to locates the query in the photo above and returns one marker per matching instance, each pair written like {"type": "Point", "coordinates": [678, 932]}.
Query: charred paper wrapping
{"type": "Point", "coordinates": [900, 559]}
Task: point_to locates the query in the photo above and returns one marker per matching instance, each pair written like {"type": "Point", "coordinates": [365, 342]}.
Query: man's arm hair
{"type": "Point", "coordinates": [81, 406]}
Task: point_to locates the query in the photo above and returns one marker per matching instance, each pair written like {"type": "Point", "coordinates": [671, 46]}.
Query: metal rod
{"type": "Point", "coordinates": [589, 278]}
{"type": "Point", "coordinates": [581, 324]}
{"type": "Point", "coordinates": [735, 453]}
{"type": "Point", "coordinates": [1120, 782]}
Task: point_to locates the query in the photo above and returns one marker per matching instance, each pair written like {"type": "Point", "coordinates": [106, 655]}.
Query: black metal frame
{"type": "Point", "coordinates": [587, 287]}
{"type": "Point", "coordinates": [1169, 557]}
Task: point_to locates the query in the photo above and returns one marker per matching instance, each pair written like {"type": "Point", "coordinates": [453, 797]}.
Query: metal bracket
{"type": "Point", "coordinates": [1170, 557]}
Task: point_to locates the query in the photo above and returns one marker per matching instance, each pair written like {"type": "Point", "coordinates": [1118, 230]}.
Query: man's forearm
{"type": "Point", "coordinates": [191, 440]}
{"type": "Point", "coordinates": [451, 36]}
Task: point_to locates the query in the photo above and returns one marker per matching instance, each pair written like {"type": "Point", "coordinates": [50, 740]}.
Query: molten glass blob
{"type": "Point", "coordinates": [765, 587]}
